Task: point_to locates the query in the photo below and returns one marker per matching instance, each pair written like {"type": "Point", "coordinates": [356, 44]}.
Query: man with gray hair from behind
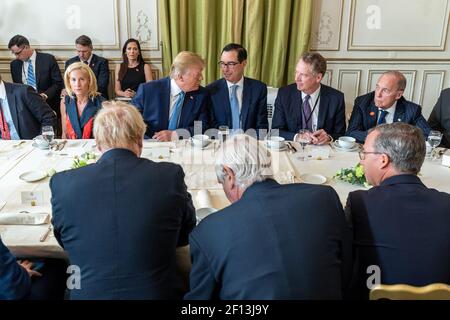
{"type": "Point", "coordinates": [121, 219]}
{"type": "Point", "coordinates": [274, 241]}
{"type": "Point", "coordinates": [400, 227]}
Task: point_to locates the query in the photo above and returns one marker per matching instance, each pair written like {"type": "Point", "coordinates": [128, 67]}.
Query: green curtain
{"type": "Point", "coordinates": [274, 32]}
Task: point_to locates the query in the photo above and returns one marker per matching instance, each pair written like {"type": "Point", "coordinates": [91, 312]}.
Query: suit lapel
{"type": "Point", "coordinates": [187, 110]}
{"type": "Point", "coordinates": [12, 106]}
{"type": "Point", "coordinates": [37, 70]}
{"type": "Point", "coordinates": [72, 112]}
{"type": "Point", "coordinates": [165, 102]}
{"type": "Point", "coordinates": [93, 61]}
{"type": "Point", "coordinates": [224, 96]}
{"type": "Point", "coordinates": [246, 98]}
{"type": "Point", "coordinates": [323, 108]}
{"type": "Point", "coordinates": [296, 109]}
{"type": "Point", "coordinates": [373, 115]}
{"type": "Point", "coordinates": [399, 111]}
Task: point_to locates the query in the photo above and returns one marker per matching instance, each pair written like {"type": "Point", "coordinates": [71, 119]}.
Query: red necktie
{"type": "Point", "coordinates": [4, 130]}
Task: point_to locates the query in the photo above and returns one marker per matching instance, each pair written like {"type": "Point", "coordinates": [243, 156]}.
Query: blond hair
{"type": "Point", "coordinates": [88, 71]}
{"type": "Point", "coordinates": [183, 62]}
{"type": "Point", "coordinates": [118, 125]}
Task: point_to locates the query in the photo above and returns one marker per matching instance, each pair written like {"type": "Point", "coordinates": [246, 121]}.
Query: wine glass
{"type": "Point", "coordinates": [48, 134]}
{"type": "Point", "coordinates": [304, 138]}
{"type": "Point", "coordinates": [434, 139]}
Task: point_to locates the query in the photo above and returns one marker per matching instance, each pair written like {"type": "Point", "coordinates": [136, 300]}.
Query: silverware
{"type": "Point", "coordinates": [46, 234]}
{"type": "Point", "coordinates": [19, 144]}
{"type": "Point", "coordinates": [62, 145]}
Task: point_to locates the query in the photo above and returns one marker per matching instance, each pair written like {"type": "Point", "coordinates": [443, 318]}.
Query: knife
{"type": "Point", "coordinates": [61, 145]}
{"type": "Point", "coordinates": [46, 234]}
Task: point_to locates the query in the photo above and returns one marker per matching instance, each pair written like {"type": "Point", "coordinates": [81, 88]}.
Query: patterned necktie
{"type": "Point", "coordinates": [31, 79]}
{"type": "Point", "coordinates": [86, 62]}
{"type": "Point", "coordinates": [4, 130]}
{"type": "Point", "coordinates": [173, 121]}
{"type": "Point", "coordinates": [382, 118]}
{"type": "Point", "coordinates": [234, 103]}
{"type": "Point", "coordinates": [306, 114]}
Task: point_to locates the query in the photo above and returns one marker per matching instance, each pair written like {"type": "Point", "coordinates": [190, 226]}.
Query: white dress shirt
{"type": "Point", "coordinates": [25, 68]}
{"type": "Point", "coordinates": [314, 100]}
{"type": "Point", "coordinates": [174, 91]}
{"type": "Point", "coordinates": [391, 112]}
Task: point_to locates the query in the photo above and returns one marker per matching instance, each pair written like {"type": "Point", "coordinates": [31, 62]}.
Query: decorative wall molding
{"type": "Point", "coordinates": [432, 85]}
{"type": "Point", "coordinates": [326, 25]}
{"type": "Point", "coordinates": [328, 78]}
{"type": "Point", "coordinates": [378, 25]}
{"type": "Point", "coordinates": [58, 30]}
{"type": "Point", "coordinates": [143, 23]}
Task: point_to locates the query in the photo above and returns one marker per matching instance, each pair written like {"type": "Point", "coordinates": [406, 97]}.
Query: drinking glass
{"type": "Point", "coordinates": [434, 139]}
{"type": "Point", "coordinates": [304, 138]}
{"type": "Point", "coordinates": [48, 134]}
{"type": "Point", "coordinates": [223, 134]}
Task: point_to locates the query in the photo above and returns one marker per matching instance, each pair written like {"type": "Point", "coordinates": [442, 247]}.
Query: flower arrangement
{"type": "Point", "coordinates": [84, 160]}
{"type": "Point", "coordinates": [353, 175]}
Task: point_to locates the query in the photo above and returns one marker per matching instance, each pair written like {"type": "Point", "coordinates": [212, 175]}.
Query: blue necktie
{"type": "Point", "coordinates": [235, 120]}
{"type": "Point", "coordinates": [173, 121]}
{"type": "Point", "coordinates": [382, 118]}
{"type": "Point", "coordinates": [306, 113]}
{"type": "Point", "coordinates": [31, 79]}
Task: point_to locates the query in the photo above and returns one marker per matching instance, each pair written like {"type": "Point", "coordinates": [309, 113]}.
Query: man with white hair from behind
{"type": "Point", "coordinates": [274, 241]}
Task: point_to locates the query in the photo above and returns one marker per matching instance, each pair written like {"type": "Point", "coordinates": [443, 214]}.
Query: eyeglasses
{"type": "Point", "coordinates": [18, 52]}
{"type": "Point", "coordinates": [229, 64]}
{"type": "Point", "coordinates": [362, 154]}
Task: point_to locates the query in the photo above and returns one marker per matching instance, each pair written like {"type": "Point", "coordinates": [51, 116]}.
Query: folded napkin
{"type": "Point", "coordinates": [24, 218]}
{"type": "Point", "coordinates": [204, 204]}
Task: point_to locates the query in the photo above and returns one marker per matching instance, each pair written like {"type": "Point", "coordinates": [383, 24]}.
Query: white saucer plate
{"type": "Point", "coordinates": [338, 147]}
{"type": "Point", "coordinates": [313, 178]}
{"type": "Point", "coordinates": [284, 148]}
{"type": "Point", "coordinates": [33, 176]}
{"type": "Point", "coordinates": [199, 147]}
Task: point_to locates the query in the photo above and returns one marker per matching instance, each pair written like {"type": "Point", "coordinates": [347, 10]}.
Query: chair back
{"type": "Point", "coordinates": [434, 291]}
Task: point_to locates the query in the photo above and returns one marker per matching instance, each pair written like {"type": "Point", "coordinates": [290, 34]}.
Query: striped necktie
{"type": "Point", "coordinates": [31, 80]}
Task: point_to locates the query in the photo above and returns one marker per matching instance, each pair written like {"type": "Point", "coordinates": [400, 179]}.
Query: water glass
{"type": "Point", "coordinates": [304, 138]}
{"type": "Point", "coordinates": [434, 139]}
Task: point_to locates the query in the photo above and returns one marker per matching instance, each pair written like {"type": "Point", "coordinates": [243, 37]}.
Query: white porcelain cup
{"type": "Point", "coordinates": [40, 142]}
{"type": "Point", "coordinates": [200, 140]}
{"type": "Point", "coordinates": [346, 142]}
{"type": "Point", "coordinates": [276, 142]}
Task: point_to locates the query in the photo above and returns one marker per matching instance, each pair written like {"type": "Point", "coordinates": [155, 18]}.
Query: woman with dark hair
{"type": "Point", "coordinates": [132, 71]}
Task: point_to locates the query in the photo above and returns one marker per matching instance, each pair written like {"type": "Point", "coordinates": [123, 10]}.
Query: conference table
{"type": "Point", "coordinates": [20, 160]}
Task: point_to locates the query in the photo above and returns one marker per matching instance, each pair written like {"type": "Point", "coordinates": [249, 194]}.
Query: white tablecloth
{"type": "Point", "coordinates": [23, 240]}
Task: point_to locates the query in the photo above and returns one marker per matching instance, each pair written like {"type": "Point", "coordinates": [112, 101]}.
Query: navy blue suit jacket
{"type": "Point", "coordinates": [153, 101]}
{"type": "Point", "coordinates": [365, 114]}
{"type": "Point", "coordinates": [15, 282]}
{"type": "Point", "coordinates": [29, 112]}
{"type": "Point", "coordinates": [100, 68]}
{"type": "Point", "coordinates": [287, 117]}
{"type": "Point", "coordinates": [276, 242]}
{"type": "Point", "coordinates": [254, 104]}
{"type": "Point", "coordinates": [48, 77]}
{"type": "Point", "coordinates": [120, 220]}
{"type": "Point", "coordinates": [440, 117]}
{"type": "Point", "coordinates": [402, 227]}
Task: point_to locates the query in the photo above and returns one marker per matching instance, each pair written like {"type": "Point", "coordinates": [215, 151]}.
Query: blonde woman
{"type": "Point", "coordinates": [132, 71]}
{"type": "Point", "coordinates": [81, 103]}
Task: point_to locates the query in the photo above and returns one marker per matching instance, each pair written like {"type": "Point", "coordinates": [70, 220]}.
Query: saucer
{"type": "Point", "coordinates": [198, 147]}
{"type": "Point", "coordinates": [337, 146]}
{"type": "Point", "coordinates": [35, 145]}
{"type": "Point", "coordinates": [32, 176]}
{"type": "Point", "coordinates": [313, 178]}
{"type": "Point", "coordinates": [284, 148]}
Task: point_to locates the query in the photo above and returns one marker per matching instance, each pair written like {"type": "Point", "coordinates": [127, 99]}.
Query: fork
{"type": "Point", "coordinates": [46, 234]}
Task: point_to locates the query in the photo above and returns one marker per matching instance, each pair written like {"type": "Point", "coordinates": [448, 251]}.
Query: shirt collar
{"type": "Point", "coordinates": [33, 56]}
{"type": "Point", "coordinates": [240, 83]}
{"type": "Point", "coordinates": [88, 60]}
{"type": "Point", "coordinates": [313, 95]}
{"type": "Point", "coordinates": [2, 90]}
{"type": "Point", "coordinates": [391, 110]}
{"type": "Point", "coordinates": [174, 88]}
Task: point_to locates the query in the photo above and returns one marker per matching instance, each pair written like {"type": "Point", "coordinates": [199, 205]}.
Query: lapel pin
{"type": "Point", "coordinates": [191, 97]}
{"type": "Point", "coordinates": [399, 120]}
{"type": "Point", "coordinates": [372, 114]}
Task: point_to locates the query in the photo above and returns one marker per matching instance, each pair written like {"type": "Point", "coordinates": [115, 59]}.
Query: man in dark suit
{"type": "Point", "coordinates": [400, 227]}
{"type": "Point", "coordinates": [120, 220]}
{"type": "Point", "coordinates": [440, 117]}
{"type": "Point", "coordinates": [15, 281]}
{"type": "Point", "coordinates": [98, 64]}
{"type": "Point", "coordinates": [385, 105]}
{"type": "Point", "coordinates": [237, 101]}
{"type": "Point", "coordinates": [37, 69]}
{"type": "Point", "coordinates": [22, 112]}
{"type": "Point", "coordinates": [274, 241]}
{"type": "Point", "coordinates": [175, 103]}
{"type": "Point", "coordinates": [308, 104]}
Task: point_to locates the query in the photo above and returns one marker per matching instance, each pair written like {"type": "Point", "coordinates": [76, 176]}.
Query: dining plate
{"type": "Point", "coordinates": [313, 178]}
{"type": "Point", "coordinates": [32, 176]}
{"type": "Point", "coordinates": [338, 147]}
{"type": "Point", "coordinates": [284, 148]}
